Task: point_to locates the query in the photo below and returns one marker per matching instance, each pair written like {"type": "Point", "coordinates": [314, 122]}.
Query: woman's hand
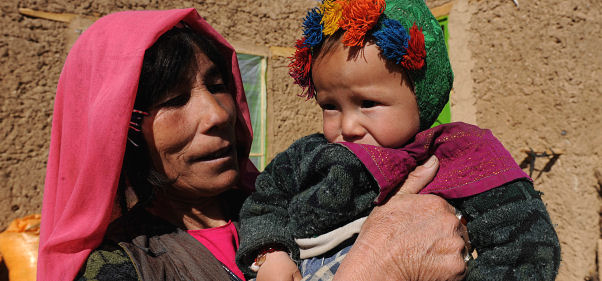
{"type": "Point", "coordinates": [410, 237]}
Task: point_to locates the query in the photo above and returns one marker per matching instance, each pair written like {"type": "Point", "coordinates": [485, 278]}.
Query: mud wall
{"type": "Point", "coordinates": [530, 73]}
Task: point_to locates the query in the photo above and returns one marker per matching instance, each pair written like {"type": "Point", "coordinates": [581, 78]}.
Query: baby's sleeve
{"type": "Point", "coordinates": [309, 189]}
{"type": "Point", "coordinates": [264, 216]}
{"type": "Point", "coordinates": [512, 233]}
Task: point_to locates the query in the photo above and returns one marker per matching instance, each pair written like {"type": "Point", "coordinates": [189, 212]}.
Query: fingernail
{"type": "Point", "coordinates": [431, 162]}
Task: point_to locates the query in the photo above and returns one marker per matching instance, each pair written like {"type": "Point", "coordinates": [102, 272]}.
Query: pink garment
{"type": "Point", "coordinates": [471, 161]}
{"type": "Point", "coordinates": [93, 105]}
{"type": "Point", "coordinates": [222, 242]}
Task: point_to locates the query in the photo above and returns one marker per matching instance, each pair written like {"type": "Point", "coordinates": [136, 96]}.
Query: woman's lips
{"type": "Point", "coordinates": [221, 153]}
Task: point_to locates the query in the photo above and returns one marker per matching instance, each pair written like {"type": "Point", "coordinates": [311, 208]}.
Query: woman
{"type": "Point", "coordinates": [154, 100]}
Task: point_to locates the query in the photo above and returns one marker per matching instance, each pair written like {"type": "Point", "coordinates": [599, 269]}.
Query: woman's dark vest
{"type": "Point", "coordinates": [161, 251]}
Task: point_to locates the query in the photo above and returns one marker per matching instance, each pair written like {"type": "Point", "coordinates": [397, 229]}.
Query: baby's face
{"type": "Point", "coordinates": [363, 99]}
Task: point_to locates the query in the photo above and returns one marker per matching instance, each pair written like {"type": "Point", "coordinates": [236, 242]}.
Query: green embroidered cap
{"type": "Point", "coordinates": [433, 83]}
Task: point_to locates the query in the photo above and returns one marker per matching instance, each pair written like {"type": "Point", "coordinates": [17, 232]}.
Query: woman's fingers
{"type": "Point", "coordinates": [463, 231]}
{"type": "Point", "coordinates": [420, 177]}
{"type": "Point", "coordinates": [450, 246]}
{"type": "Point", "coordinates": [410, 237]}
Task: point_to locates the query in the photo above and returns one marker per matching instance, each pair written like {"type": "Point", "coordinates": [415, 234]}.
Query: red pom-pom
{"type": "Point", "coordinates": [358, 17]}
{"type": "Point", "coordinates": [416, 51]}
{"type": "Point", "coordinates": [300, 68]}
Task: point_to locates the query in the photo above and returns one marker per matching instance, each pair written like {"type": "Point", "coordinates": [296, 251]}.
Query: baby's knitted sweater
{"type": "Point", "coordinates": [314, 187]}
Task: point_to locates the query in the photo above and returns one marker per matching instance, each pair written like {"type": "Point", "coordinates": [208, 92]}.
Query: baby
{"type": "Point", "coordinates": [380, 72]}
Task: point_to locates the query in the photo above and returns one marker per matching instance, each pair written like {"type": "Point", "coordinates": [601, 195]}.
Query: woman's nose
{"type": "Point", "coordinates": [351, 128]}
{"type": "Point", "coordinates": [215, 115]}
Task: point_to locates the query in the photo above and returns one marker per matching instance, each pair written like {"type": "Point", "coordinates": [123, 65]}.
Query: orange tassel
{"type": "Point", "coordinates": [358, 17]}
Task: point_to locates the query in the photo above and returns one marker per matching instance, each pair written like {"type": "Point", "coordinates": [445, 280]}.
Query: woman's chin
{"type": "Point", "coordinates": [203, 187]}
{"type": "Point", "coordinates": [221, 186]}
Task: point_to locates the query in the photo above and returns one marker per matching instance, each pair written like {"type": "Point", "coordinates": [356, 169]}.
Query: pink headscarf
{"type": "Point", "coordinates": [92, 109]}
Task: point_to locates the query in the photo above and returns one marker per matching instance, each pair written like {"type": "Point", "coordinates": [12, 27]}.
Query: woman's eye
{"type": "Point", "coordinates": [328, 106]}
{"type": "Point", "coordinates": [176, 101]}
{"type": "Point", "coordinates": [369, 103]}
{"type": "Point", "coordinates": [217, 88]}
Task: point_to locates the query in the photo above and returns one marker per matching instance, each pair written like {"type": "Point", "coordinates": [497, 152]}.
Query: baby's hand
{"type": "Point", "coordinates": [278, 266]}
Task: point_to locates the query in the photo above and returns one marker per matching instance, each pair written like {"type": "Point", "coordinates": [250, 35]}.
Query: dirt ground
{"type": "Point", "coordinates": [530, 73]}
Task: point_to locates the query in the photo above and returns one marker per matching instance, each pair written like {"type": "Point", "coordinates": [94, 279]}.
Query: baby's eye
{"type": "Point", "coordinates": [328, 106]}
{"type": "Point", "coordinates": [369, 103]}
{"type": "Point", "coordinates": [217, 88]}
{"type": "Point", "coordinates": [176, 101]}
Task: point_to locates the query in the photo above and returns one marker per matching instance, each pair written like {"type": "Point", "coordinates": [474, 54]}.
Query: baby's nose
{"type": "Point", "coordinates": [352, 129]}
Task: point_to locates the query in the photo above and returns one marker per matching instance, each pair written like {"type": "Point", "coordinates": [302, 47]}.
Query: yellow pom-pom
{"type": "Point", "coordinates": [331, 11]}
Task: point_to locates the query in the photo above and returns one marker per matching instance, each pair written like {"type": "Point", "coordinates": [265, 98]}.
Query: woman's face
{"type": "Point", "coordinates": [191, 137]}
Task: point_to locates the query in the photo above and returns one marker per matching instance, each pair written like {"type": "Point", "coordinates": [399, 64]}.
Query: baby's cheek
{"type": "Point", "coordinates": [395, 137]}
{"type": "Point", "coordinates": [331, 130]}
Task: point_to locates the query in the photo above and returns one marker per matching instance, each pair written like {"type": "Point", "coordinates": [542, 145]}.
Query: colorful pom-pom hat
{"type": "Point", "coordinates": [406, 33]}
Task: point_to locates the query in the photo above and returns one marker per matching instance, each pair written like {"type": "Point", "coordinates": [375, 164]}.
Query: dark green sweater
{"type": "Point", "coordinates": [314, 187]}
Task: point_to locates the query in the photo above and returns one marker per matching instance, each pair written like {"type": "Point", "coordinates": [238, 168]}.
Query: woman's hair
{"type": "Point", "coordinates": [169, 65]}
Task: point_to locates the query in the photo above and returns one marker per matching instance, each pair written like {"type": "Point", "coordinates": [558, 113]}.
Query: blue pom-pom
{"type": "Point", "coordinates": [312, 28]}
{"type": "Point", "coordinates": [392, 38]}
